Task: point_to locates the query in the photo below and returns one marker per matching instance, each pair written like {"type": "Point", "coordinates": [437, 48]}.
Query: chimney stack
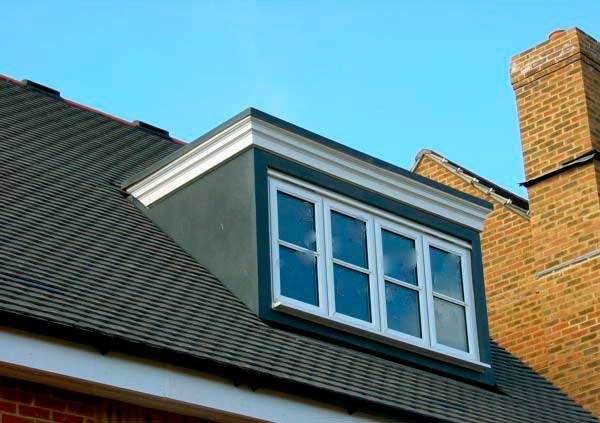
{"type": "Point", "coordinates": [542, 273]}
{"type": "Point", "coordinates": [557, 87]}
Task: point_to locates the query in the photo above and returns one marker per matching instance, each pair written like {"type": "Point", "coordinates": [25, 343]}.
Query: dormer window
{"type": "Point", "coordinates": [363, 270]}
{"type": "Point", "coordinates": [323, 240]}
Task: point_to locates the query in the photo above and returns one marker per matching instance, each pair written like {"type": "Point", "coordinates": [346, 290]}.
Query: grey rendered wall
{"type": "Point", "coordinates": [214, 219]}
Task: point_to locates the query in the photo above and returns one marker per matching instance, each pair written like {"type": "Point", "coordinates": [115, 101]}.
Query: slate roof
{"type": "Point", "coordinates": [75, 253]}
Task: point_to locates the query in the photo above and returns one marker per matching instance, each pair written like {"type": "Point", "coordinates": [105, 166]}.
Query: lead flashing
{"type": "Point", "coordinates": [570, 164]}
{"type": "Point", "coordinates": [151, 128]}
{"type": "Point", "coordinates": [41, 88]}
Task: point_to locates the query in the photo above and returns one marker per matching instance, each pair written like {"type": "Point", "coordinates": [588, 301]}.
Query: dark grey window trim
{"type": "Point", "coordinates": [263, 161]}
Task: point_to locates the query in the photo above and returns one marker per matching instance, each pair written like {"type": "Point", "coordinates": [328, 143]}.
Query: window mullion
{"type": "Point", "coordinates": [380, 276]}
{"type": "Point", "coordinates": [321, 257]}
{"type": "Point", "coordinates": [428, 291]}
{"type": "Point", "coordinates": [373, 276]}
{"type": "Point", "coordinates": [328, 257]}
{"type": "Point", "coordinates": [472, 338]}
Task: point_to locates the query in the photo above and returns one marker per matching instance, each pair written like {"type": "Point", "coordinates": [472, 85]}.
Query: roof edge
{"type": "Point", "coordinates": [88, 108]}
{"type": "Point", "coordinates": [505, 197]}
{"type": "Point", "coordinates": [304, 133]}
{"type": "Point", "coordinates": [255, 379]}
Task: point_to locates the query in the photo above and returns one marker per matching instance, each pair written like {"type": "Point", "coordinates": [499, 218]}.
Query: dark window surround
{"type": "Point", "coordinates": [263, 161]}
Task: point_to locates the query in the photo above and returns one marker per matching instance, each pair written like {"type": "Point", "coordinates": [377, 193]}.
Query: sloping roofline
{"type": "Point", "coordinates": [506, 196]}
{"type": "Point", "coordinates": [414, 395]}
{"type": "Point", "coordinates": [256, 114]}
{"type": "Point", "coordinates": [56, 94]}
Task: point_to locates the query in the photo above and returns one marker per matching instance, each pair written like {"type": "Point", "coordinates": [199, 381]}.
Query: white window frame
{"type": "Point", "coordinates": [467, 303]}
{"type": "Point", "coordinates": [332, 205]}
{"type": "Point", "coordinates": [384, 224]}
{"type": "Point", "coordinates": [281, 186]}
{"type": "Point", "coordinates": [376, 220]}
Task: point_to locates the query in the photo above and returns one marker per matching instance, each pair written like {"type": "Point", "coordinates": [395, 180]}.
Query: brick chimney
{"type": "Point", "coordinates": [557, 86]}
{"type": "Point", "coordinates": [542, 271]}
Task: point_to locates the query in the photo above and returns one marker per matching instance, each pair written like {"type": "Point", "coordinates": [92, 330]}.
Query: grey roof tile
{"type": "Point", "coordinates": [75, 252]}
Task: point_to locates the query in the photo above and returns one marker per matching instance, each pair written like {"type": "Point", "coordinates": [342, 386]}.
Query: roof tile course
{"type": "Point", "coordinates": [76, 252]}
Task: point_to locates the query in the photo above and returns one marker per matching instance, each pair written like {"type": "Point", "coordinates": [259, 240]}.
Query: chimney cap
{"type": "Point", "coordinates": [555, 34]}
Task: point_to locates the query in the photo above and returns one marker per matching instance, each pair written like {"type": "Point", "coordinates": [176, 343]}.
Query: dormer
{"type": "Point", "coordinates": [316, 237]}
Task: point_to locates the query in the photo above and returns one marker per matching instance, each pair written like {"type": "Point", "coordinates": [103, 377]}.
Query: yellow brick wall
{"type": "Point", "coordinates": [565, 216]}
{"type": "Point", "coordinates": [552, 323]}
{"type": "Point", "coordinates": [550, 83]}
{"type": "Point", "coordinates": [557, 89]}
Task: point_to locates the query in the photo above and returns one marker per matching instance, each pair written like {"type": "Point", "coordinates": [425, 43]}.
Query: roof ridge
{"type": "Point", "coordinates": [94, 110]}
{"type": "Point", "coordinates": [503, 195]}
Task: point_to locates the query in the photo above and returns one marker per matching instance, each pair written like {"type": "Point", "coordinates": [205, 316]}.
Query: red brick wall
{"type": "Point", "coordinates": [25, 402]}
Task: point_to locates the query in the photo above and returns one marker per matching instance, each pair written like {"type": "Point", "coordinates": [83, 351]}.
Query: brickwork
{"type": "Point", "coordinates": [555, 84]}
{"type": "Point", "coordinates": [551, 321]}
{"type": "Point", "coordinates": [25, 402]}
{"type": "Point", "coordinates": [565, 216]}
{"type": "Point", "coordinates": [557, 88]}
{"type": "Point", "coordinates": [507, 256]}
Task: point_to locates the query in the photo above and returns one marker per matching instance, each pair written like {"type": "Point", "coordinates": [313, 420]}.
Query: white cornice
{"type": "Point", "coordinates": [194, 163]}
{"type": "Point", "coordinates": [252, 131]}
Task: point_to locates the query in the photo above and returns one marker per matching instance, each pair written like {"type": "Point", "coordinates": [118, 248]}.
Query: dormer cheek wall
{"type": "Point", "coordinates": [222, 220]}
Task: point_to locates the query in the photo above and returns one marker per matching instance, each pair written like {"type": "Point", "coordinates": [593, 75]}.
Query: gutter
{"type": "Point", "coordinates": [238, 376]}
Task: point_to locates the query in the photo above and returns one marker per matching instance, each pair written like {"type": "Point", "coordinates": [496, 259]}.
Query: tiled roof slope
{"type": "Point", "coordinates": [75, 252]}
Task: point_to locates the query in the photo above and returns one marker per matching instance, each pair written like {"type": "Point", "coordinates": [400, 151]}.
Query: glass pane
{"type": "Point", "coordinates": [296, 221]}
{"type": "Point", "coordinates": [352, 293]}
{"type": "Point", "coordinates": [450, 324]}
{"type": "Point", "coordinates": [298, 275]}
{"type": "Point", "coordinates": [399, 257]}
{"type": "Point", "coordinates": [349, 238]}
{"type": "Point", "coordinates": [402, 306]}
{"type": "Point", "coordinates": [446, 273]}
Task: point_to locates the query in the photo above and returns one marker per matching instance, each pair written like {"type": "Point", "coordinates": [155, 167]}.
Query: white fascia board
{"type": "Point", "coordinates": [251, 131]}
{"type": "Point", "coordinates": [194, 163]}
{"type": "Point", "coordinates": [153, 384]}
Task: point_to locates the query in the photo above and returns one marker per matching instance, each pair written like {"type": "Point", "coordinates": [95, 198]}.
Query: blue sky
{"type": "Point", "coordinates": [387, 78]}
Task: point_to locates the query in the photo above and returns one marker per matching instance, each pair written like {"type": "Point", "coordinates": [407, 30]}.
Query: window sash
{"type": "Point", "coordinates": [382, 225]}
{"type": "Point", "coordinates": [376, 221]}
{"type": "Point", "coordinates": [467, 303]}
{"type": "Point", "coordinates": [281, 186]}
{"type": "Point", "coordinates": [329, 206]}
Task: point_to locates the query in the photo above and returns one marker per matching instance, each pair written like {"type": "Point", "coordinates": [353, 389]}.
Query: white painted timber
{"type": "Point", "coordinates": [252, 131]}
{"type": "Point", "coordinates": [131, 379]}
